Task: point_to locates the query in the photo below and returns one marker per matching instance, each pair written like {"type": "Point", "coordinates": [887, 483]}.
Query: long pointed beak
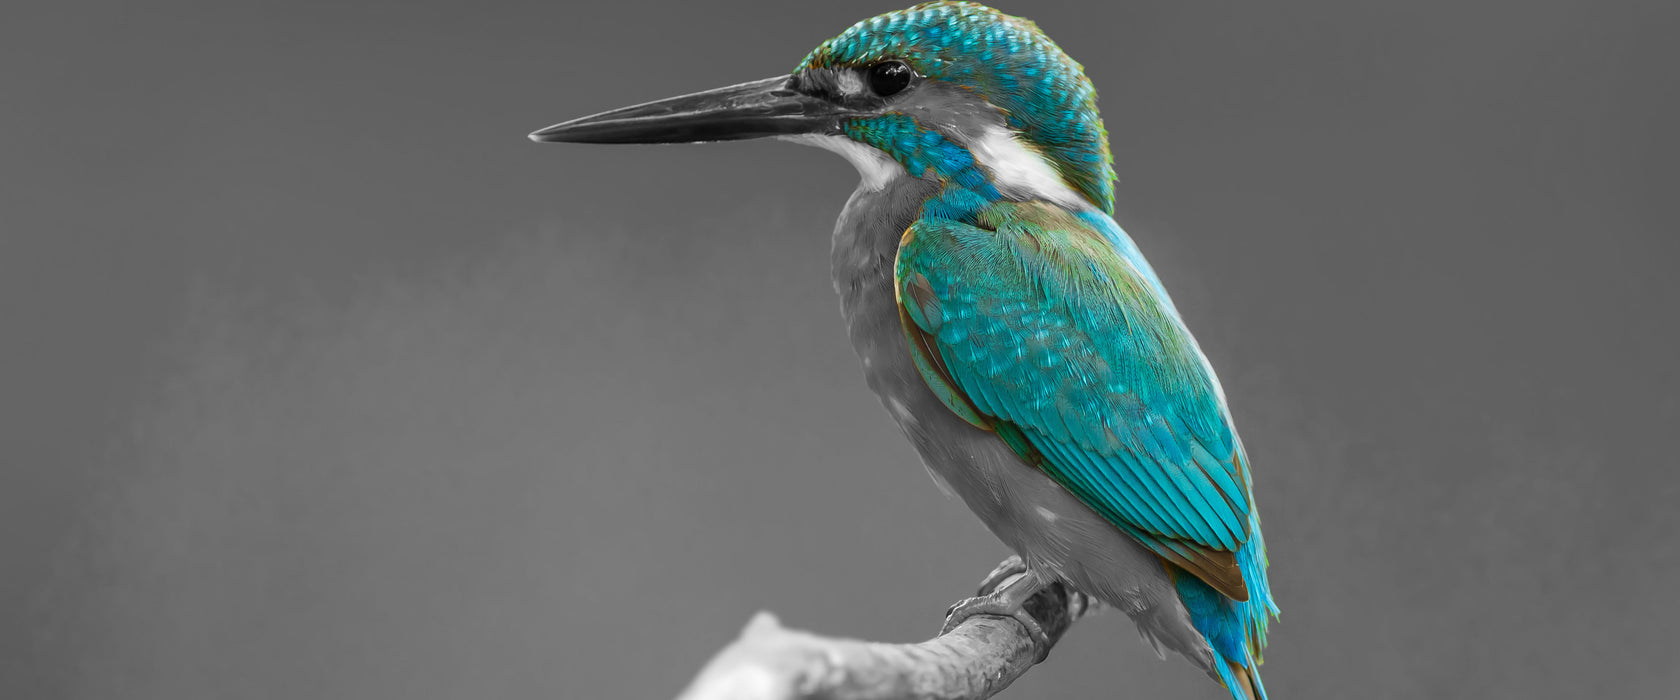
{"type": "Point", "coordinates": [760, 108]}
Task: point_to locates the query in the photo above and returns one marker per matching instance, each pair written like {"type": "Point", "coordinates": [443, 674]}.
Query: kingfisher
{"type": "Point", "coordinates": [1009, 326]}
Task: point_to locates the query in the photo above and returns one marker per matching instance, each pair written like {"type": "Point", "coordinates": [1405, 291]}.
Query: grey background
{"type": "Point", "coordinates": [320, 381]}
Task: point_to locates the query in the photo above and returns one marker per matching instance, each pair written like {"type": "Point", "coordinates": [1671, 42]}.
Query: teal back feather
{"type": "Point", "coordinates": [1043, 328]}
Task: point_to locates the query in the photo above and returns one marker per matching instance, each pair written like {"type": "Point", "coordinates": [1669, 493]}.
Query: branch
{"type": "Point", "coordinates": [974, 660]}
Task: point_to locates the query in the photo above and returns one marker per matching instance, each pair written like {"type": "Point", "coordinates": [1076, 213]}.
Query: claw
{"type": "Point", "coordinates": [1003, 594]}
{"type": "Point", "coordinates": [986, 605]}
{"type": "Point", "coordinates": [1001, 573]}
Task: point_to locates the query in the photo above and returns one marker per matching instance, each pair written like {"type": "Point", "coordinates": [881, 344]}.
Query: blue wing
{"type": "Point", "coordinates": [1049, 329]}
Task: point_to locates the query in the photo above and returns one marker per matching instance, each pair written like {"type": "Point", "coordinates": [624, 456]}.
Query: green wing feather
{"type": "Point", "coordinates": [1041, 326]}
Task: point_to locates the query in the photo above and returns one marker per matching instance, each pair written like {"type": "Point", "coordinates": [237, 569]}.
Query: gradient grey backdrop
{"type": "Point", "coordinates": [321, 381]}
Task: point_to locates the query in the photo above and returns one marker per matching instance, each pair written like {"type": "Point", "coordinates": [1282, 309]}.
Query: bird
{"type": "Point", "coordinates": [1007, 323]}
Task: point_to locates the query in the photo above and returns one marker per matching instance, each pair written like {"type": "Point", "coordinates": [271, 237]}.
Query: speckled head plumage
{"type": "Point", "coordinates": [1040, 92]}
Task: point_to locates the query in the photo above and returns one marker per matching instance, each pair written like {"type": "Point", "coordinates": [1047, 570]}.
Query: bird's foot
{"type": "Point", "coordinates": [989, 605]}
{"type": "Point", "coordinates": [1013, 566]}
{"type": "Point", "coordinates": [1004, 593]}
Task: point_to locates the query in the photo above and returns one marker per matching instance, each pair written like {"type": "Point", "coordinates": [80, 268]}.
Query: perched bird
{"type": "Point", "coordinates": [1008, 324]}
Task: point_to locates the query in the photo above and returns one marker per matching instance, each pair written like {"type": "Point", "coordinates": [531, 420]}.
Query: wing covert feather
{"type": "Point", "coordinates": [1040, 326]}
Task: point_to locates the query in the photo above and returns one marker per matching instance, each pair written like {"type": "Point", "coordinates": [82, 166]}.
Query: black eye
{"type": "Point", "coordinates": [889, 77]}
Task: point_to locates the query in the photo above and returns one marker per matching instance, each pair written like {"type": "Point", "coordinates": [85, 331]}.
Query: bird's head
{"type": "Point", "coordinates": [944, 90]}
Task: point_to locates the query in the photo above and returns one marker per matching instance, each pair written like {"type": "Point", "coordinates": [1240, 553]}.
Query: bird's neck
{"type": "Point", "coordinates": [908, 171]}
{"type": "Point", "coordinates": [974, 173]}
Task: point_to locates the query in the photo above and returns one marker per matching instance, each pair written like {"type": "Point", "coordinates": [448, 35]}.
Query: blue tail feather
{"type": "Point", "coordinates": [1235, 630]}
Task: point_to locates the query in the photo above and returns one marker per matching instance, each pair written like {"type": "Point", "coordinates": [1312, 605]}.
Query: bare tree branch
{"type": "Point", "coordinates": [974, 660]}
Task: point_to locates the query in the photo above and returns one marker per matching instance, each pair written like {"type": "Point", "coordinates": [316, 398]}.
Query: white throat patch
{"type": "Point", "coordinates": [1017, 169]}
{"type": "Point", "coordinates": [875, 167]}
